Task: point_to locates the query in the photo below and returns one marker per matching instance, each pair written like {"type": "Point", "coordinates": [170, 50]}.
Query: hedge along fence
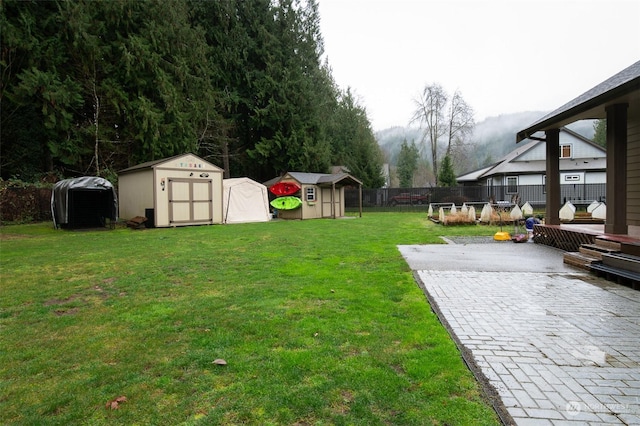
{"type": "Point", "coordinates": [24, 202]}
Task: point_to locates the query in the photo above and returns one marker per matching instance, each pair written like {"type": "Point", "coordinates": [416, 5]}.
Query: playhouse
{"type": "Point", "coordinates": [321, 195]}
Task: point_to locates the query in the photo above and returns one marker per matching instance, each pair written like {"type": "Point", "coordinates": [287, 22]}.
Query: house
{"type": "Point", "coordinates": [175, 191]}
{"type": "Point", "coordinates": [617, 100]}
{"type": "Point", "coordinates": [580, 162]}
{"type": "Point", "coordinates": [322, 195]}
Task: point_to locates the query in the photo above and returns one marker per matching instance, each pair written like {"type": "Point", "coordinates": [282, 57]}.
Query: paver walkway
{"type": "Point", "coordinates": [559, 347]}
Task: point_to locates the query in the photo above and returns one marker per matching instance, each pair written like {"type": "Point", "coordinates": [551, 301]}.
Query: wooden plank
{"type": "Point", "coordinates": [622, 261]}
{"type": "Point", "coordinates": [578, 259]}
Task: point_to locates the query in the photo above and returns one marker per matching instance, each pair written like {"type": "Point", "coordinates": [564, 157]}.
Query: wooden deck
{"type": "Point", "coordinates": [570, 237]}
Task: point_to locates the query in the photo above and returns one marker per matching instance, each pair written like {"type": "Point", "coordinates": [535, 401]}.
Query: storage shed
{"type": "Point", "coordinates": [83, 202]}
{"type": "Point", "coordinates": [322, 194]}
{"type": "Point", "coordinates": [245, 200]}
{"type": "Point", "coordinates": [177, 191]}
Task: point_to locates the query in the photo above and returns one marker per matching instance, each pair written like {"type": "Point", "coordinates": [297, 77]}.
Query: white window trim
{"type": "Point", "coordinates": [508, 185]}
{"type": "Point", "coordinates": [310, 190]}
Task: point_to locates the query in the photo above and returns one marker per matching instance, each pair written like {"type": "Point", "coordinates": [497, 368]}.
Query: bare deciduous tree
{"type": "Point", "coordinates": [461, 121]}
{"type": "Point", "coordinates": [429, 114]}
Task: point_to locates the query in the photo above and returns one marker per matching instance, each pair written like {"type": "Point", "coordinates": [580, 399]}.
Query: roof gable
{"type": "Point", "coordinates": [317, 179]}
{"type": "Point", "coordinates": [188, 161]}
{"type": "Point", "coordinates": [305, 178]}
{"type": "Point", "coordinates": [531, 158]}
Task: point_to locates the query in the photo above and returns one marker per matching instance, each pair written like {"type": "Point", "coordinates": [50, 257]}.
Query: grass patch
{"type": "Point", "coordinates": [320, 322]}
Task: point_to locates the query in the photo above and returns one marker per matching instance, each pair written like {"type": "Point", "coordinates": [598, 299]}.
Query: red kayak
{"type": "Point", "coordinates": [282, 189]}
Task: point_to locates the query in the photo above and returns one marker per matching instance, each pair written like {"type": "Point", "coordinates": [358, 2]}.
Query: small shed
{"type": "Point", "coordinates": [83, 202]}
{"type": "Point", "coordinates": [245, 200]}
{"type": "Point", "coordinates": [322, 194]}
{"type": "Point", "coordinates": [176, 191]}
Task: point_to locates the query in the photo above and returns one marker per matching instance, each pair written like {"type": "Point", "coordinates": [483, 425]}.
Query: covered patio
{"type": "Point", "coordinates": [616, 100]}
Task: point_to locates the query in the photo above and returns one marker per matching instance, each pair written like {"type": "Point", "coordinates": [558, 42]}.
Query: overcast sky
{"type": "Point", "coordinates": [504, 56]}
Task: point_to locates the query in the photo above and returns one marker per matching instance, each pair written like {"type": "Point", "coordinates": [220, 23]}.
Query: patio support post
{"type": "Point", "coordinates": [552, 213]}
{"type": "Point", "coordinates": [616, 221]}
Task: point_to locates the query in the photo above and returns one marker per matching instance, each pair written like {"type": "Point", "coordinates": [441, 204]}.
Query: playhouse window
{"type": "Point", "coordinates": [311, 194]}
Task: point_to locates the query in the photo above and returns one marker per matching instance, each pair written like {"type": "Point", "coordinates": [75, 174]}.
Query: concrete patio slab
{"type": "Point", "coordinates": [551, 344]}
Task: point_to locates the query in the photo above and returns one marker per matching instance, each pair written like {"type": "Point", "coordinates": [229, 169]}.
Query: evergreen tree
{"type": "Point", "coordinates": [446, 176]}
{"type": "Point", "coordinates": [353, 144]}
{"type": "Point", "coordinates": [113, 83]}
{"type": "Point", "coordinates": [93, 87]}
{"type": "Point", "coordinates": [407, 164]}
{"type": "Point", "coordinates": [600, 132]}
{"type": "Point", "coordinates": [37, 95]}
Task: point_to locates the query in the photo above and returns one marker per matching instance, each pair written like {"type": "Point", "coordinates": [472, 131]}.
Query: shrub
{"type": "Point", "coordinates": [23, 202]}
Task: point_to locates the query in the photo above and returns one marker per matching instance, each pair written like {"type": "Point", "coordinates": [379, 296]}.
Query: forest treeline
{"type": "Point", "coordinates": [92, 87]}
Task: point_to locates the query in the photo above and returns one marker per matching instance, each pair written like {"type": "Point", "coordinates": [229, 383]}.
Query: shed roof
{"type": "Point", "coordinates": [319, 179]}
{"type": "Point", "coordinates": [155, 163]}
{"type": "Point", "coordinates": [622, 87]}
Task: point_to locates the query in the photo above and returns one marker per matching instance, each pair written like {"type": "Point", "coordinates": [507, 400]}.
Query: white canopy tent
{"type": "Point", "coordinates": [245, 200]}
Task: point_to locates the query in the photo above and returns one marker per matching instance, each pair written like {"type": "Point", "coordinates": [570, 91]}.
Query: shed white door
{"type": "Point", "coordinates": [190, 201]}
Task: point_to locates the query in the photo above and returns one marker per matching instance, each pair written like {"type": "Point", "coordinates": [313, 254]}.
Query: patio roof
{"type": "Point", "coordinates": [622, 87]}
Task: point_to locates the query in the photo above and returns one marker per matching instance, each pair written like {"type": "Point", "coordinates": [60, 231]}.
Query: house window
{"type": "Point", "coordinates": [544, 184]}
{"type": "Point", "coordinates": [512, 184]}
{"type": "Point", "coordinates": [311, 193]}
{"type": "Point", "coordinates": [572, 178]}
{"type": "Point", "coordinates": [565, 151]}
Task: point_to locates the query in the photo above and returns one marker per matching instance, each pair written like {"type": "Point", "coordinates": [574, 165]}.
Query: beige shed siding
{"type": "Point", "coordinates": [297, 213]}
{"type": "Point", "coordinates": [290, 214]}
{"type": "Point", "coordinates": [135, 193]}
{"type": "Point", "coordinates": [326, 202]}
{"type": "Point", "coordinates": [311, 209]}
{"type": "Point", "coordinates": [633, 168]}
{"type": "Point", "coordinates": [194, 184]}
{"type": "Point", "coordinates": [338, 201]}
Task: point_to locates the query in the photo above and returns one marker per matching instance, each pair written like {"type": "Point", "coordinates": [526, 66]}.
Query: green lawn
{"type": "Point", "coordinates": [320, 323]}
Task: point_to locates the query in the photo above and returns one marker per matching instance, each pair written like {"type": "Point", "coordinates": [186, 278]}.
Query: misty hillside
{"type": "Point", "coordinates": [492, 138]}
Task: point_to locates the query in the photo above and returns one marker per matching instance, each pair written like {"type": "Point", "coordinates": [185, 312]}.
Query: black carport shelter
{"type": "Point", "coordinates": [83, 202]}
